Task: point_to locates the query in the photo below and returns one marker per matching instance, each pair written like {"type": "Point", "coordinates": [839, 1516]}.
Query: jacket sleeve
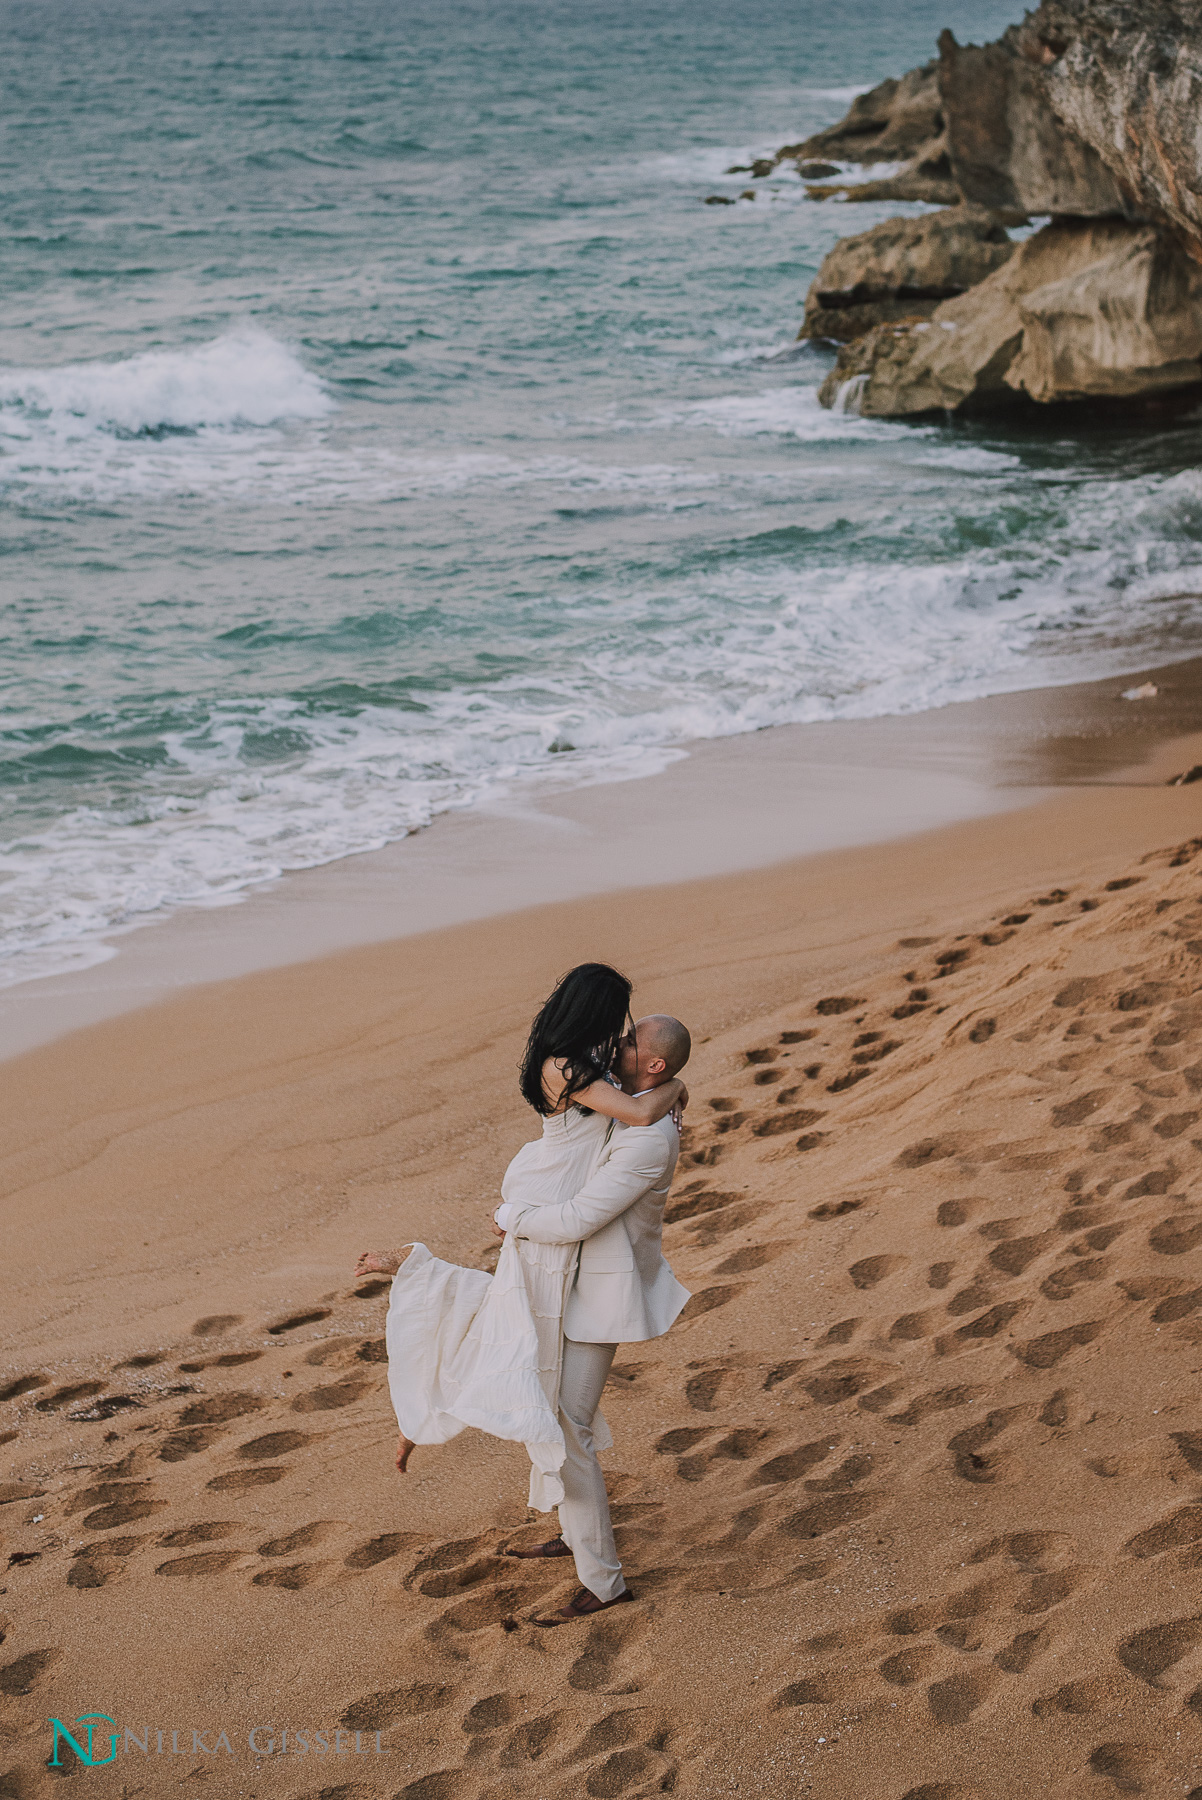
{"type": "Point", "coordinates": [638, 1161]}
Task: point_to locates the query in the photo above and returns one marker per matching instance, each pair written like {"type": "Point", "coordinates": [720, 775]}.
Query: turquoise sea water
{"type": "Point", "coordinates": [384, 420]}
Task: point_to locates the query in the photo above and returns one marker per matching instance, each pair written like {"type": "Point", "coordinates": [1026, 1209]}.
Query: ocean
{"type": "Point", "coordinates": [386, 424]}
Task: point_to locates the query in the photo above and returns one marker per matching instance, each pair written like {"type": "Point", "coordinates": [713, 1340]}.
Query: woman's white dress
{"type": "Point", "coordinates": [467, 1348]}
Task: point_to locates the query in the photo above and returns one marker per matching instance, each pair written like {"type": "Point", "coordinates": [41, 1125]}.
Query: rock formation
{"type": "Point", "coordinates": [1088, 309]}
{"type": "Point", "coordinates": [903, 268]}
{"type": "Point", "coordinates": [1087, 112]}
{"type": "Point", "coordinates": [889, 124]}
{"type": "Point", "coordinates": [898, 121]}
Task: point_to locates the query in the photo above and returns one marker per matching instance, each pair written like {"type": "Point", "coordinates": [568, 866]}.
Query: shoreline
{"type": "Point", "coordinates": [739, 803]}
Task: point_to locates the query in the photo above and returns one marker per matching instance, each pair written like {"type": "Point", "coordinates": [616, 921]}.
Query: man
{"type": "Point", "coordinates": [624, 1292]}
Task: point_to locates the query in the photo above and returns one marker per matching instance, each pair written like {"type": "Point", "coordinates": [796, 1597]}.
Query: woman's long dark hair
{"type": "Point", "coordinates": [580, 1024]}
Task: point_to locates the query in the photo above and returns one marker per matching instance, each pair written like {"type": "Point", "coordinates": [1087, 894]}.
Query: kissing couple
{"type": "Point", "coordinates": [524, 1353]}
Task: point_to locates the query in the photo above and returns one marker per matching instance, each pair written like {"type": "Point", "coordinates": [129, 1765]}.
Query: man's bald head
{"type": "Point", "coordinates": [659, 1037]}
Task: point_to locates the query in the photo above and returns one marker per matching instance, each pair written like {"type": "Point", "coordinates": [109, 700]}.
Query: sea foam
{"type": "Point", "coordinates": [245, 377]}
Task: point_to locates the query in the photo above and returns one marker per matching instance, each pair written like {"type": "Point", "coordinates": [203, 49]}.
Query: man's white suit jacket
{"type": "Point", "coordinates": [624, 1292]}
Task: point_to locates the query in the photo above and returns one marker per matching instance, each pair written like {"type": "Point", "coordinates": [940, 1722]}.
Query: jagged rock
{"type": "Point", "coordinates": [902, 268]}
{"type": "Point", "coordinates": [719, 200]}
{"type": "Point", "coordinates": [889, 124]}
{"type": "Point", "coordinates": [816, 171]}
{"type": "Point", "coordinates": [1084, 309]}
{"type": "Point", "coordinates": [1006, 145]}
{"type": "Point", "coordinates": [928, 178]}
{"type": "Point", "coordinates": [1126, 77]}
{"type": "Point", "coordinates": [1128, 324]}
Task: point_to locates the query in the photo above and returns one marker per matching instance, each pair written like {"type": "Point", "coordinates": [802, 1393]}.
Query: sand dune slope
{"type": "Point", "coordinates": [911, 1500]}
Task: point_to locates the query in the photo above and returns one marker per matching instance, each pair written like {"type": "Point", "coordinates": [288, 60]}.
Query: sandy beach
{"type": "Point", "coordinates": [909, 1498]}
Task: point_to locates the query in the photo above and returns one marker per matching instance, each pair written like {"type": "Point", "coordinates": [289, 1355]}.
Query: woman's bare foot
{"type": "Point", "coordinates": [381, 1262]}
{"type": "Point", "coordinates": [403, 1449]}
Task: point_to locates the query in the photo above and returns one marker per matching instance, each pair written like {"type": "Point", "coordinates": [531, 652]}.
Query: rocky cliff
{"type": "Point", "coordinates": [1085, 114]}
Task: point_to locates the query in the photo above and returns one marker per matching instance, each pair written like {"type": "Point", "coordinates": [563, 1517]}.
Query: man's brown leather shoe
{"type": "Point", "coordinates": [582, 1605]}
{"type": "Point", "coordinates": [556, 1547]}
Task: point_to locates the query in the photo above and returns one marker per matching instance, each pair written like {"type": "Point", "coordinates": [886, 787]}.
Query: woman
{"type": "Point", "coordinates": [465, 1348]}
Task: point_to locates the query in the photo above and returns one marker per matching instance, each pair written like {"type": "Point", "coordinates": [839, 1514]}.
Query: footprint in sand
{"type": "Point", "coordinates": [199, 1534]}
{"type": "Point", "coordinates": [709, 1299]}
{"type": "Point", "coordinates": [1046, 1351]}
{"type": "Point", "coordinates": [202, 1423]}
{"type": "Point", "coordinates": [753, 1256]}
{"type": "Point", "coordinates": [944, 1790]}
{"type": "Point", "coordinates": [735, 1446]}
{"type": "Point", "coordinates": [696, 1200]}
{"type": "Point", "coordinates": [445, 1584]}
{"type": "Point", "coordinates": [1131, 1767]}
{"type": "Point", "coordinates": [381, 1549]}
{"type": "Point", "coordinates": [533, 1739]}
{"type": "Point", "coordinates": [303, 1538]}
{"type": "Point", "coordinates": [598, 1666]}
{"type": "Point", "coordinates": [643, 1766]}
{"type": "Point", "coordinates": [125, 1512]}
{"type": "Point", "coordinates": [375, 1712]}
{"type": "Point", "coordinates": [846, 1377]}
{"type": "Point", "coordinates": [1030, 1550]}
{"type": "Point", "coordinates": [714, 1387]}
{"type": "Point", "coordinates": [491, 1713]}
{"type": "Point", "coordinates": [826, 1687]}
{"type": "Point", "coordinates": [66, 1396]}
{"type": "Point", "coordinates": [96, 1564]}
{"type": "Point", "coordinates": [872, 1270]}
{"type": "Point", "coordinates": [107, 1493]}
{"type": "Point", "coordinates": [972, 1457]}
{"type": "Point", "coordinates": [275, 1443]}
{"type": "Point", "coordinates": [22, 1384]}
{"type": "Point", "coordinates": [216, 1325]}
{"type": "Point", "coordinates": [328, 1399]}
{"type": "Point", "coordinates": [906, 1667]}
{"type": "Point", "coordinates": [244, 1481]}
{"type": "Point", "coordinates": [777, 1124]}
{"type": "Point", "coordinates": [827, 1515]}
{"type": "Point", "coordinates": [1075, 1697]}
{"type": "Point", "coordinates": [218, 1409]}
{"type": "Point", "coordinates": [231, 1359]}
{"type": "Point", "coordinates": [23, 1675]}
{"type": "Point", "coordinates": [1151, 1653]}
{"type": "Point", "coordinates": [294, 1321]}
{"type": "Point", "coordinates": [206, 1562]}
{"type": "Point", "coordinates": [482, 1612]}
{"type": "Point", "coordinates": [791, 1465]}
{"type": "Point", "coordinates": [834, 1209]}
{"type": "Point", "coordinates": [179, 1445]}
{"type": "Point", "coordinates": [840, 1333]}
{"type": "Point", "coordinates": [922, 1406]}
{"type": "Point", "coordinates": [293, 1578]}
{"type": "Point", "coordinates": [1176, 1237]}
{"type": "Point", "coordinates": [445, 1784]}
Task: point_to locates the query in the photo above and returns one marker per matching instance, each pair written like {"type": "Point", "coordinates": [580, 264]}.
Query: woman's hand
{"type": "Point", "coordinates": [677, 1113]}
{"type": "Point", "coordinates": [496, 1229]}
